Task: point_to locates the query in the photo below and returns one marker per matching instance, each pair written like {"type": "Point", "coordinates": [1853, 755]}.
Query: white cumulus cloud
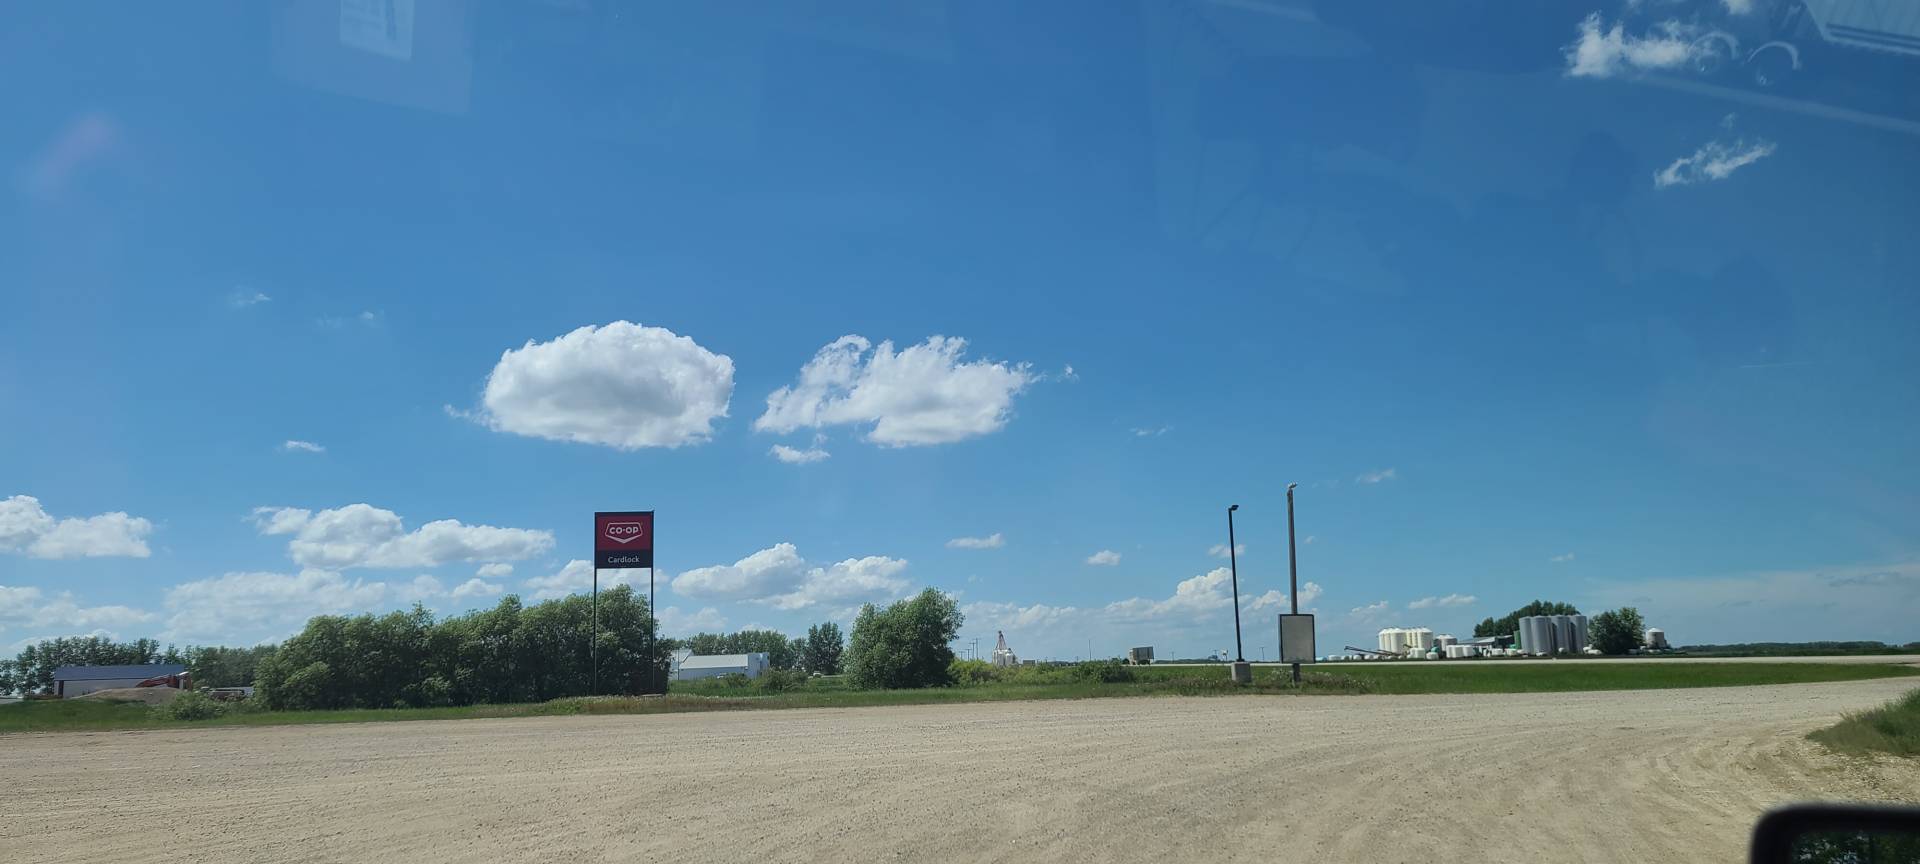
{"type": "Point", "coordinates": [923, 394]}
{"type": "Point", "coordinates": [26, 527]}
{"type": "Point", "coordinates": [1602, 52]}
{"type": "Point", "coordinates": [991, 541]}
{"type": "Point", "coordinates": [1104, 558]}
{"type": "Point", "coordinates": [1370, 612]}
{"type": "Point", "coordinates": [1715, 160]}
{"type": "Point", "coordinates": [1447, 602]}
{"type": "Point", "coordinates": [494, 570]}
{"type": "Point", "coordinates": [476, 587]}
{"type": "Point", "coordinates": [675, 621]}
{"type": "Point", "coordinates": [361, 535]}
{"type": "Point", "coordinates": [779, 577]}
{"type": "Point", "coordinates": [270, 604]}
{"type": "Point", "coordinates": [621, 385]}
{"type": "Point", "coordinates": [29, 606]}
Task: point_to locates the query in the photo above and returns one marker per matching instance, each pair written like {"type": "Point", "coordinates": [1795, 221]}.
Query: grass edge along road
{"type": "Point", "coordinates": [1891, 728]}
{"type": "Point", "coordinates": [713, 695]}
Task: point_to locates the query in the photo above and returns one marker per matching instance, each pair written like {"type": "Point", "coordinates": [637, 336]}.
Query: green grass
{"type": "Point", "coordinates": [1027, 684]}
{"type": "Point", "coordinates": [1891, 728]}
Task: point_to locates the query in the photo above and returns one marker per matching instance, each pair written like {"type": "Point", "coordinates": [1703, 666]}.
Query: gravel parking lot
{"type": "Point", "coordinates": [1613, 776]}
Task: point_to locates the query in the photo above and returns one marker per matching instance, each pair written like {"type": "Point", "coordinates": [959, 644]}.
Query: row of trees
{"type": "Point", "coordinates": [515, 653]}
{"type": "Point", "coordinates": [510, 653]}
{"type": "Point", "coordinates": [212, 666]}
{"type": "Point", "coordinates": [1508, 624]}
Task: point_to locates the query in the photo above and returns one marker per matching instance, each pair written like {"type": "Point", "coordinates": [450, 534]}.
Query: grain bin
{"type": "Point", "coordinates": [1580, 632]}
{"type": "Point", "coordinates": [1563, 634]}
{"type": "Point", "coordinates": [1419, 640]}
{"type": "Point", "coordinates": [1444, 640]}
{"type": "Point", "coordinates": [1539, 635]}
{"type": "Point", "coordinates": [1656, 638]}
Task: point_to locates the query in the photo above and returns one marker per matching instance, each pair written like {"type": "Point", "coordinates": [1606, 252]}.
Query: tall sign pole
{"type": "Point", "coordinates": [1293, 570]}
{"type": "Point", "coordinates": [623, 540]}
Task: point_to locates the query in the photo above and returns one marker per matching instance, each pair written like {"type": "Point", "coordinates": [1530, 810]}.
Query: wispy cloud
{"type": "Point", "coordinates": [298, 446]}
{"type": "Point", "coordinates": [1370, 613]}
{"type": "Point", "coordinates": [991, 541]}
{"type": "Point", "coordinates": [242, 299]}
{"type": "Point", "coordinates": [1219, 550]}
{"type": "Point", "coordinates": [1104, 558]}
{"type": "Point", "coordinates": [1562, 558]}
{"type": "Point", "coordinates": [798, 457]}
{"type": "Point", "coordinates": [1448, 602]}
{"type": "Point", "coordinates": [1150, 431]}
{"type": "Point", "coordinates": [1715, 160]}
{"type": "Point", "coordinates": [1380, 476]}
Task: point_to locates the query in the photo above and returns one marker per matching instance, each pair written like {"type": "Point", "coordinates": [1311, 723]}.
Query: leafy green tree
{"type": "Point", "coordinates": [1617, 631]}
{"type": "Point", "coordinates": [905, 645]}
{"type": "Point", "coordinates": [217, 666]}
{"type": "Point", "coordinates": [1508, 624]}
{"type": "Point", "coordinates": [510, 653]}
{"type": "Point", "coordinates": [821, 650]}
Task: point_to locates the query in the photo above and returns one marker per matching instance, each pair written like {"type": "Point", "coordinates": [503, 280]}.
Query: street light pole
{"type": "Point", "coordinates": [1293, 570]}
{"type": "Point", "coordinates": [1233, 563]}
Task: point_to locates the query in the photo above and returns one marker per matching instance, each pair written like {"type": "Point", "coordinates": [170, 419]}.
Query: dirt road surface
{"type": "Point", "coordinates": [1657, 775]}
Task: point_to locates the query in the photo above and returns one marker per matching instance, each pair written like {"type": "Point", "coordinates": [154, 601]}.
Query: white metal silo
{"type": "Point", "coordinates": [1444, 639]}
{"type": "Point", "coordinates": [1419, 640]}
{"type": "Point", "coordinates": [1540, 635]}
{"type": "Point", "coordinates": [1579, 633]}
{"type": "Point", "coordinates": [1656, 637]}
{"type": "Point", "coordinates": [1563, 634]}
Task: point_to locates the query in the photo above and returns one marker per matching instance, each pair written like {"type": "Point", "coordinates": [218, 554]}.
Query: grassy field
{"type": "Point", "coordinates": [1892, 728]}
{"type": "Point", "coordinates": [47, 716]}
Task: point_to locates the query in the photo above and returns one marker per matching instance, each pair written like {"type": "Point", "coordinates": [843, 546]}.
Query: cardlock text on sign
{"type": "Point", "coordinates": [623, 540]}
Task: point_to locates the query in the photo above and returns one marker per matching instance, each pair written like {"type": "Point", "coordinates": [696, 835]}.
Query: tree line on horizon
{"type": "Point", "coordinates": [512, 652]}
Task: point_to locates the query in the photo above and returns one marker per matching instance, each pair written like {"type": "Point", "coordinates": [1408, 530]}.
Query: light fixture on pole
{"type": "Point", "coordinates": [1242, 671]}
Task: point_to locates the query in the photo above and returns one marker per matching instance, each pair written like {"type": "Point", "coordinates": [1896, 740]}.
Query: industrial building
{"type": "Point", "coordinates": [71, 681]}
{"type": "Point", "coordinates": [1002, 655]}
{"type": "Point", "coordinates": [696, 666]}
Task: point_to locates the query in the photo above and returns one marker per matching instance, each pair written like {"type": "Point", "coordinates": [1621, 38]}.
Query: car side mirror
{"type": "Point", "coordinates": [1837, 834]}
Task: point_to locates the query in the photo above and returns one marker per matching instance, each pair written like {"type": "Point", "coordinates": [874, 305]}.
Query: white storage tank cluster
{"type": "Point", "coordinates": [1656, 638]}
{"type": "Point", "coordinates": [1542, 635]}
{"type": "Point", "coordinates": [1406, 640]}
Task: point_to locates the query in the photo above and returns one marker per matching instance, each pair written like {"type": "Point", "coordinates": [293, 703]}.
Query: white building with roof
{"type": "Point", "coordinates": [696, 666]}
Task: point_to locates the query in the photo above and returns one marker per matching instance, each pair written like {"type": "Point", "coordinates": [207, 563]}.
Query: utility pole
{"type": "Point", "coordinates": [1242, 673]}
{"type": "Point", "coordinates": [1293, 570]}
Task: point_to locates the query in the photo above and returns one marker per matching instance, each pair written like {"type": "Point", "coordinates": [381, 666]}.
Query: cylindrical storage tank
{"type": "Point", "coordinates": [1563, 634]}
{"type": "Point", "coordinates": [1656, 637]}
{"type": "Point", "coordinates": [1389, 639]}
{"type": "Point", "coordinates": [1579, 632]}
{"type": "Point", "coordinates": [1444, 639]}
{"type": "Point", "coordinates": [1539, 636]}
{"type": "Point", "coordinates": [1420, 639]}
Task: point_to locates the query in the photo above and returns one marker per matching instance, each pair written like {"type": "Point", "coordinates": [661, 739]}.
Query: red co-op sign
{"type": "Point", "coordinates": [623, 540]}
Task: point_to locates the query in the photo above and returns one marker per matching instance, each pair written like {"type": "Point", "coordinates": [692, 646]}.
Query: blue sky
{"type": "Point", "coordinates": [281, 299]}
